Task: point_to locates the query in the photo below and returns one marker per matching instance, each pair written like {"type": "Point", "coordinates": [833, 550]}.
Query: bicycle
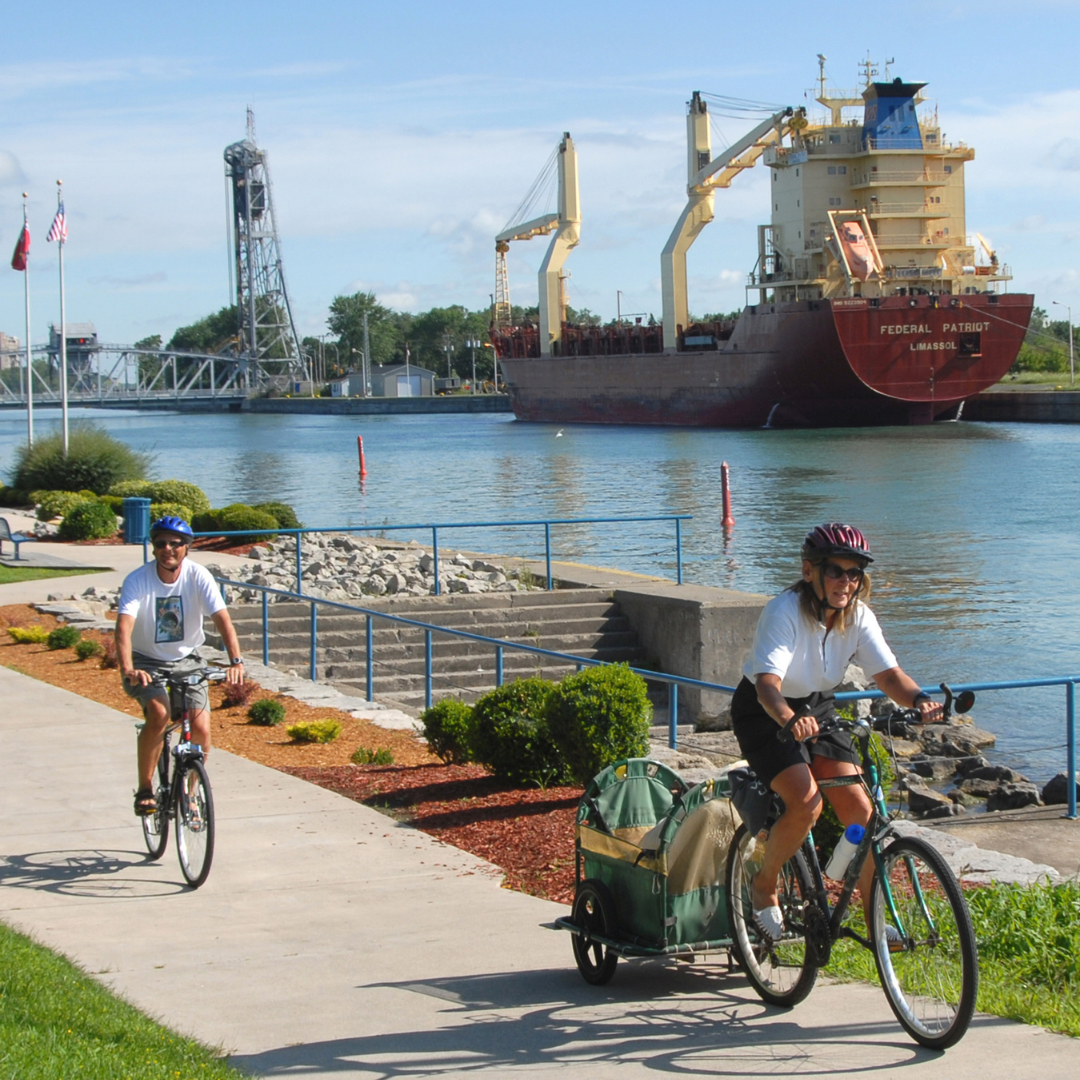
{"type": "Point", "coordinates": [185, 796]}
{"type": "Point", "coordinates": [920, 931]}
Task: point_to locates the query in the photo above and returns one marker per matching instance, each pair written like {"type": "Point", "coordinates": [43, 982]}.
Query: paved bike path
{"type": "Point", "coordinates": [331, 942]}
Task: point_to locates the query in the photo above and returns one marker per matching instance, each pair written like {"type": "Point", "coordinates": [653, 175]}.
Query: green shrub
{"type": "Point", "coordinates": [266, 712]}
{"type": "Point", "coordinates": [314, 731]}
{"type": "Point", "coordinates": [63, 637]}
{"type": "Point", "coordinates": [131, 489]}
{"type": "Point", "coordinates": [363, 756]}
{"type": "Point", "coordinates": [598, 716]}
{"type": "Point", "coordinates": [238, 517]}
{"type": "Point", "coordinates": [448, 730]}
{"type": "Point", "coordinates": [28, 635]}
{"type": "Point", "coordinates": [16, 497]}
{"type": "Point", "coordinates": [88, 521]}
{"type": "Point", "coordinates": [86, 648]}
{"type": "Point", "coordinates": [95, 462]}
{"type": "Point", "coordinates": [210, 521]}
{"type": "Point", "coordinates": [510, 734]}
{"type": "Point", "coordinates": [169, 509]}
{"type": "Point", "coordinates": [114, 502]}
{"type": "Point", "coordinates": [54, 504]}
{"type": "Point", "coordinates": [179, 491]}
{"type": "Point", "coordinates": [282, 513]}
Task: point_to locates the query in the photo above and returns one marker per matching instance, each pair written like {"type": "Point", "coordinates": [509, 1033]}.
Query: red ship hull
{"type": "Point", "coordinates": [817, 363]}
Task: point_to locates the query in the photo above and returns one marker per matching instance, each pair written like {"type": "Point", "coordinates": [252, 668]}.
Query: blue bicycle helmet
{"type": "Point", "coordinates": [173, 525]}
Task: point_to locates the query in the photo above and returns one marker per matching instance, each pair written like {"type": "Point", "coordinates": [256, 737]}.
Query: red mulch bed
{"type": "Point", "coordinates": [527, 833]}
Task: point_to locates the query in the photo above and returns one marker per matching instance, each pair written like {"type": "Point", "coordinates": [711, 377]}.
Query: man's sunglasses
{"type": "Point", "coordinates": [834, 573]}
{"type": "Point", "coordinates": [160, 545]}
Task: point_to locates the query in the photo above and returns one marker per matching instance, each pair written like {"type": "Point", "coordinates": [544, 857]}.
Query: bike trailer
{"type": "Point", "coordinates": [658, 847]}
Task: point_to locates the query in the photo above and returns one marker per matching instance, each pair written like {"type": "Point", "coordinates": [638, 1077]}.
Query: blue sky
{"type": "Point", "coordinates": [403, 136]}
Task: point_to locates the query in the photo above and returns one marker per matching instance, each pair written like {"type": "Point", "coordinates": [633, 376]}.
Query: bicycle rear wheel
{"type": "Point", "coordinates": [932, 978]}
{"type": "Point", "coordinates": [781, 973]}
{"type": "Point", "coordinates": [155, 826]}
{"type": "Point", "coordinates": [194, 823]}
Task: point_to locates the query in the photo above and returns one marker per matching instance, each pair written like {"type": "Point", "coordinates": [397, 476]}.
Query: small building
{"type": "Point", "coordinates": [351, 384]}
{"type": "Point", "coordinates": [401, 380]}
{"type": "Point", "coordinates": [9, 351]}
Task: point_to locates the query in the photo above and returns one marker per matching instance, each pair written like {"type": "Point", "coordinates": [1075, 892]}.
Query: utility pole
{"type": "Point", "coordinates": [367, 360]}
{"type": "Point", "coordinates": [1072, 362]}
{"type": "Point", "coordinates": [473, 343]}
{"type": "Point", "coordinates": [618, 308]}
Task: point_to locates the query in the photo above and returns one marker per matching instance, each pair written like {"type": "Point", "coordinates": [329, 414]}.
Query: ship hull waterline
{"type": "Point", "coordinates": [818, 363]}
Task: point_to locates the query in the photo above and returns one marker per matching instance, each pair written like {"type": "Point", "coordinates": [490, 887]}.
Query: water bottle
{"type": "Point", "coordinates": [841, 856]}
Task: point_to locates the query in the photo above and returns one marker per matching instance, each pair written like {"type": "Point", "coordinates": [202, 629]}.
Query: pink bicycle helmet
{"type": "Point", "coordinates": [843, 541]}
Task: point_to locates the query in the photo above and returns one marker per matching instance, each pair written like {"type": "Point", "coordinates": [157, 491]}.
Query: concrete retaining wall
{"type": "Point", "coordinates": [1025, 406]}
{"type": "Point", "coordinates": [456, 403]}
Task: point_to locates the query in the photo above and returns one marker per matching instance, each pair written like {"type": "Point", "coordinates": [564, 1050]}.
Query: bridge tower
{"type": "Point", "coordinates": [268, 343]}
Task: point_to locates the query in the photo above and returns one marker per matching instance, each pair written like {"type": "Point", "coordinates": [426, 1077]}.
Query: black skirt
{"type": "Point", "coordinates": [757, 733]}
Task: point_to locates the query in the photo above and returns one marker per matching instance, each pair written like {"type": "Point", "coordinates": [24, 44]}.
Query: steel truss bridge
{"type": "Point", "coordinates": [121, 376]}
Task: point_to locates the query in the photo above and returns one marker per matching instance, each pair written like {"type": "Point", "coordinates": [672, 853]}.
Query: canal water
{"type": "Point", "coordinates": [974, 526]}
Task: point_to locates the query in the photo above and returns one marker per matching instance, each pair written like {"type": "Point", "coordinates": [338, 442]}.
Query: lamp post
{"type": "Point", "coordinates": [473, 345]}
{"type": "Point", "coordinates": [1072, 363]}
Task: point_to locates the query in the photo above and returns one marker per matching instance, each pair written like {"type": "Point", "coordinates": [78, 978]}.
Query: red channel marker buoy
{"type": "Point", "coordinates": [728, 522]}
{"type": "Point", "coordinates": [360, 451]}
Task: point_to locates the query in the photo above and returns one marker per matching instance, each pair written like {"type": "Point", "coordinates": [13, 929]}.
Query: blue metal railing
{"type": "Point", "coordinates": [673, 681]}
{"type": "Point", "coordinates": [434, 529]}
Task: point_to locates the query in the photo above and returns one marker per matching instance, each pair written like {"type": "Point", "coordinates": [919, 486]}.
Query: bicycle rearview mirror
{"type": "Point", "coordinates": [964, 700]}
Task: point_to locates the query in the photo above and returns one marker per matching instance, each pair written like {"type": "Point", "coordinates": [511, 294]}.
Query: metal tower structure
{"type": "Point", "coordinates": [268, 341]}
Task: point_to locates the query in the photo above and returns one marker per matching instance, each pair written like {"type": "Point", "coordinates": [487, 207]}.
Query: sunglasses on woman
{"type": "Point", "coordinates": [835, 572]}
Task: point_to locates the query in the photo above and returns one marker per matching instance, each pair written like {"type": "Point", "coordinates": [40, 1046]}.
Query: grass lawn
{"type": "Point", "coordinates": [8, 574]}
{"type": "Point", "coordinates": [57, 1022]}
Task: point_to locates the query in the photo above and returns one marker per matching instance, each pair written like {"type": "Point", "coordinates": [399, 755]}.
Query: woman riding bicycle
{"type": "Point", "coordinates": [804, 641]}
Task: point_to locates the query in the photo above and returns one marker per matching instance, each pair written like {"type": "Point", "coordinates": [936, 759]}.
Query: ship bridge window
{"type": "Point", "coordinates": [842, 170]}
{"type": "Point", "coordinates": [948, 168]}
{"type": "Point", "coordinates": [834, 138]}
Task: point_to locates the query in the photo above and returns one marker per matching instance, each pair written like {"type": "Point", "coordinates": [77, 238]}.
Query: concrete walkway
{"type": "Point", "coordinates": [331, 942]}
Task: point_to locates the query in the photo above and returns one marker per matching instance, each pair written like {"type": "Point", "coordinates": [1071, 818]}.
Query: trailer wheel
{"type": "Point", "coordinates": [594, 913]}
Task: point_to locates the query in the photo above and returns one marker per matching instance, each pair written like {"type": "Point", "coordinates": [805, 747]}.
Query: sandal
{"type": "Point", "coordinates": [145, 802]}
{"type": "Point", "coordinates": [770, 921]}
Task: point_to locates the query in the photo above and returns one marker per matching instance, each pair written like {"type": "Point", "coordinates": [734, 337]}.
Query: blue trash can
{"type": "Point", "coordinates": [136, 514]}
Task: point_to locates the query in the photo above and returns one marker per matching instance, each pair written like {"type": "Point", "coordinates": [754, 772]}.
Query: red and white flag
{"type": "Point", "coordinates": [59, 226]}
{"type": "Point", "coordinates": [22, 249]}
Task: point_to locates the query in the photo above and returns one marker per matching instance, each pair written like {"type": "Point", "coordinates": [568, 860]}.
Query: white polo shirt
{"type": "Point", "coordinates": [808, 660]}
{"type": "Point", "coordinates": [169, 618]}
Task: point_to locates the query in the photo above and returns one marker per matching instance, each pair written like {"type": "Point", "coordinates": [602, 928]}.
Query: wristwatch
{"type": "Point", "coordinates": [236, 660]}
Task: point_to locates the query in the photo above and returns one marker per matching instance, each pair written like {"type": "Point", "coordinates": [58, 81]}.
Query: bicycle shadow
{"type": "Point", "coordinates": [98, 873]}
{"type": "Point", "coordinates": [666, 1019]}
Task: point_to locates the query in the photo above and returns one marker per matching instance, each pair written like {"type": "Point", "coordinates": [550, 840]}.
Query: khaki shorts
{"type": "Point", "coordinates": [197, 695]}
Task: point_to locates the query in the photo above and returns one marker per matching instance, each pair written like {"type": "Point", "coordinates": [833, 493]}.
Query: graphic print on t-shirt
{"type": "Point", "coordinates": [168, 618]}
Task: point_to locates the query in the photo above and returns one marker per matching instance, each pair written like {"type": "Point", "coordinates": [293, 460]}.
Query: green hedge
{"type": "Point", "coordinates": [598, 716]}
{"type": "Point", "coordinates": [159, 510]}
{"type": "Point", "coordinates": [88, 521]}
{"type": "Point", "coordinates": [448, 728]}
{"type": "Point", "coordinates": [54, 504]}
{"type": "Point", "coordinates": [282, 513]}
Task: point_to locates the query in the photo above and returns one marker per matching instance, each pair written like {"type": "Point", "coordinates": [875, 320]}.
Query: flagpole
{"type": "Point", "coordinates": [29, 355]}
{"type": "Point", "coordinates": [63, 330]}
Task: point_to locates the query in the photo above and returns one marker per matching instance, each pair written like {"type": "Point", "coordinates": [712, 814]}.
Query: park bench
{"type": "Point", "coordinates": [14, 537]}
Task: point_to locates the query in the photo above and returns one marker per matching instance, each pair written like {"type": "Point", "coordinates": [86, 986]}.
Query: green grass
{"type": "Point", "coordinates": [1029, 953]}
{"type": "Point", "coordinates": [9, 574]}
{"type": "Point", "coordinates": [57, 1022]}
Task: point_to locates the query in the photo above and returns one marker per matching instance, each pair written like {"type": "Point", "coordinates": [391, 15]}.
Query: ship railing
{"type": "Point", "coordinates": [910, 176]}
{"type": "Point", "coordinates": [935, 210]}
{"type": "Point", "coordinates": [436, 528]}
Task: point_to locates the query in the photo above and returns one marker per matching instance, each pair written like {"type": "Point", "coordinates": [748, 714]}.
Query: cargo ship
{"type": "Point", "coordinates": [873, 305]}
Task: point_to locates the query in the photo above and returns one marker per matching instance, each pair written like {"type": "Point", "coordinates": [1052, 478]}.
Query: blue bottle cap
{"type": "Point", "coordinates": [855, 833]}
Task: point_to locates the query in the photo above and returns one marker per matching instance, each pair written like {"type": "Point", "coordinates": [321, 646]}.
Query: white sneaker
{"type": "Point", "coordinates": [770, 921]}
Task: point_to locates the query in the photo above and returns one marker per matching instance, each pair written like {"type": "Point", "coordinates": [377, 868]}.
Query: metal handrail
{"type": "Point", "coordinates": [673, 681]}
{"type": "Point", "coordinates": [547, 523]}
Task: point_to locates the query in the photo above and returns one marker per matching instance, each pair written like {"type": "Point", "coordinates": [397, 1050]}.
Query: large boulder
{"type": "Point", "coordinates": [1056, 791]}
{"type": "Point", "coordinates": [1013, 796]}
{"type": "Point", "coordinates": [922, 800]}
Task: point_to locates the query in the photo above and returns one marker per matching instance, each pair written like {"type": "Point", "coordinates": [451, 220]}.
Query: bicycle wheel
{"type": "Point", "coordinates": [594, 912]}
{"type": "Point", "coordinates": [782, 973]}
{"type": "Point", "coordinates": [194, 823]}
{"type": "Point", "coordinates": [155, 826]}
{"type": "Point", "coordinates": [932, 978]}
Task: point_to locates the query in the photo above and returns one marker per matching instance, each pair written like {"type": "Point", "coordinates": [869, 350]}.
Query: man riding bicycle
{"type": "Point", "coordinates": [805, 639]}
{"type": "Point", "coordinates": [159, 628]}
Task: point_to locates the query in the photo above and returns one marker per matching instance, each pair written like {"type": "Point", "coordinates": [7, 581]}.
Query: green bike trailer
{"type": "Point", "coordinates": [651, 857]}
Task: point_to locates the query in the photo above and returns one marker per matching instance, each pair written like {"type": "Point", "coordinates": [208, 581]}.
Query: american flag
{"type": "Point", "coordinates": [59, 226]}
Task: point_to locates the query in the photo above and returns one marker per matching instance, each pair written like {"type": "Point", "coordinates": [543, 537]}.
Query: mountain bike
{"type": "Point", "coordinates": [920, 931]}
{"type": "Point", "coordinates": [183, 792]}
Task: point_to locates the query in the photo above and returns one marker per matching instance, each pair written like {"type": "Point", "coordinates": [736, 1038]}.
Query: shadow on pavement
{"type": "Point", "coordinates": [86, 872]}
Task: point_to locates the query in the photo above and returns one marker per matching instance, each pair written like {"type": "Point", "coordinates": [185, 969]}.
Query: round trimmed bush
{"type": "Point", "coordinates": [598, 716]}
{"type": "Point", "coordinates": [114, 501]}
{"type": "Point", "coordinates": [510, 734]}
{"type": "Point", "coordinates": [180, 491]}
{"type": "Point", "coordinates": [63, 637]}
{"type": "Point", "coordinates": [95, 461]}
{"type": "Point", "coordinates": [239, 517]}
{"type": "Point", "coordinates": [206, 522]}
{"type": "Point", "coordinates": [131, 489]}
{"type": "Point", "coordinates": [169, 509]}
{"type": "Point", "coordinates": [282, 513]}
{"type": "Point", "coordinates": [448, 730]}
{"type": "Point", "coordinates": [54, 504]}
{"type": "Point", "coordinates": [88, 521]}
{"type": "Point", "coordinates": [314, 731]}
{"type": "Point", "coordinates": [266, 712]}
{"type": "Point", "coordinates": [87, 648]}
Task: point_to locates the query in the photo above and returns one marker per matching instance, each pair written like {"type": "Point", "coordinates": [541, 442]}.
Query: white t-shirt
{"type": "Point", "coordinates": [169, 618]}
{"type": "Point", "coordinates": [796, 647]}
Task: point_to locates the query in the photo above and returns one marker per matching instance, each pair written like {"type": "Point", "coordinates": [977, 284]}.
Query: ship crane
{"type": "Point", "coordinates": [566, 226]}
{"type": "Point", "coordinates": [990, 253]}
{"type": "Point", "coordinates": [704, 175]}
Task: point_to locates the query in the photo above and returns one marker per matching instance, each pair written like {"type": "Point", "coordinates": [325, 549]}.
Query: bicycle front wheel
{"type": "Point", "coordinates": [155, 826]}
{"type": "Point", "coordinates": [194, 823]}
{"type": "Point", "coordinates": [930, 969]}
{"type": "Point", "coordinates": [781, 973]}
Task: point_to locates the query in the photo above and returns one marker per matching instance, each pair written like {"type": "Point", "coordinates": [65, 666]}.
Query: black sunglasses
{"type": "Point", "coordinates": [161, 544]}
{"type": "Point", "coordinates": [835, 572]}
